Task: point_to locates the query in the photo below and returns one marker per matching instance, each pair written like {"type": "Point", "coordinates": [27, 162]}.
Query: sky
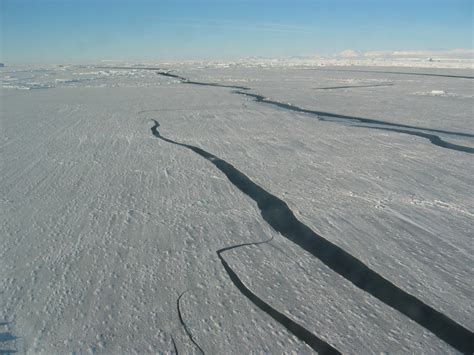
{"type": "Point", "coordinates": [89, 30]}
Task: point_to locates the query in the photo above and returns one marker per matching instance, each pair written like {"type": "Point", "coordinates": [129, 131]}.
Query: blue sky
{"type": "Point", "coordinates": [87, 30]}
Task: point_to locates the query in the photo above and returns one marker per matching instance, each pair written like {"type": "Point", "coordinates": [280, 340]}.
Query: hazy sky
{"type": "Point", "coordinates": [82, 30]}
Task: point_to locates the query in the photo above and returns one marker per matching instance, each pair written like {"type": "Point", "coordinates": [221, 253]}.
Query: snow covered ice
{"type": "Point", "coordinates": [124, 189]}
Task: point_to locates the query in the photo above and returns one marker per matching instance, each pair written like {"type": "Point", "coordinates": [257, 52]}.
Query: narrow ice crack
{"type": "Point", "coordinates": [174, 346]}
{"type": "Point", "coordinates": [181, 320]}
{"type": "Point", "coordinates": [397, 73]}
{"type": "Point", "coordinates": [299, 331]}
{"type": "Point", "coordinates": [280, 217]}
{"type": "Point", "coordinates": [332, 117]}
{"type": "Point", "coordinates": [353, 86]}
{"type": "Point", "coordinates": [434, 139]}
{"type": "Point", "coordinates": [381, 125]}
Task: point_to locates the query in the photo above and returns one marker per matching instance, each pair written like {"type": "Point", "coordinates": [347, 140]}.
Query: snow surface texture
{"type": "Point", "coordinates": [196, 208]}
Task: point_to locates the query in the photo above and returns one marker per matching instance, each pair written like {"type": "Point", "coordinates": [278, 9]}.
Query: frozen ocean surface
{"type": "Point", "coordinates": [350, 189]}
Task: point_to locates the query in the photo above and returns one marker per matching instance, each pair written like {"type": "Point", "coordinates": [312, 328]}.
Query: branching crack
{"type": "Point", "coordinates": [280, 217]}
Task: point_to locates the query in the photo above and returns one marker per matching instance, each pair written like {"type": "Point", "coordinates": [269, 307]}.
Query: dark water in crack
{"type": "Point", "coordinates": [217, 85]}
{"type": "Point", "coordinates": [280, 217]}
{"type": "Point", "coordinates": [396, 73]}
{"type": "Point", "coordinates": [332, 117]}
{"type": "Point", "coordinates": [436, 140]}
{"type": "Point", "coordinates": [299, 331]}
{"type": "Point", "coordinates": [170, 75]}
{"type": "Point", "coordinates": [141, 68]}
{"type": "Point", "coordinates": [191, 82]}
{"type": "Point", "coordinates": [381, 125]}
{"type": "Point", "coordinates": [352, 86]}
{"type": "Point", "coordinates": [328, 115]}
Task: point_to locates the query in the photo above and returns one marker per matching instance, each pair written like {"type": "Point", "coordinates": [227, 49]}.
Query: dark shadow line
{"type": "Point", "coordinates": [396, 73]}
{"type": "Point", "coordinates": [174, 76]}
{"type": "Point", "coordinates": [323, 116]}
{"type": "Point", "coordinates": [164, 110]}
{"type": "Point", "coordinates": [320, 114]}
{"type": "Point", "coordinates": [181, 78]}
{"type": "Point", "coordinates": [244, 245]}
{"type": "Point", "coordinates": [321, 69]}
{"type": "Point", "coordinates": [217, 85]}
{"type": "Point", "coordinates": [202, 108]}
{"type": "Point", "coordinates": [200, 83]}
{"type": "Point", "coordinates": [353, 86]}
{"type": "Point", "coordinates": [188, 332]}
{"type": "Point", "coordinates": [300, 332]}
{"type": "Point", "coordinates": [119, 67]}
{"type": "Point", "coordinates": [436, 140]}
{"type": "Point", "coordinates": [327, 116]}
{"type": "Point", "coordinates": [280, 217]}
{"type": "Point", "coordinates": [174, 346]}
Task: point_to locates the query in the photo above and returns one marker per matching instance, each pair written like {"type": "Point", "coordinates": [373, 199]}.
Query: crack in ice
{"type": "Point", "coordinates": [280, 217]}
{"type": "Point", "coordinates": [397, 73]}
{"type": "Point", "coordinates": [181, 320]}
{"type": "Point", "coordinates": [332, 117]}
{"type": "Point", "coordinates": [382, 125]}
{"type": "Point", "coordinates": [353, 86]}
{"type": "Point", "coordinates": [299, 331]}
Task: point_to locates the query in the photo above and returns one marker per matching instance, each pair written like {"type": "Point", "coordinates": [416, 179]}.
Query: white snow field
{"type": "Point", "coordinates": [121, 188]}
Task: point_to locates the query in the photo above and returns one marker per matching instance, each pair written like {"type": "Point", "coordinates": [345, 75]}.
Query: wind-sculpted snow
{"type": "Point", "coordinates": [280, 217]}
{"type": "Point", "coordinates": [382, 125]}
{"type": "Point", "coordinates": [120, 223]}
